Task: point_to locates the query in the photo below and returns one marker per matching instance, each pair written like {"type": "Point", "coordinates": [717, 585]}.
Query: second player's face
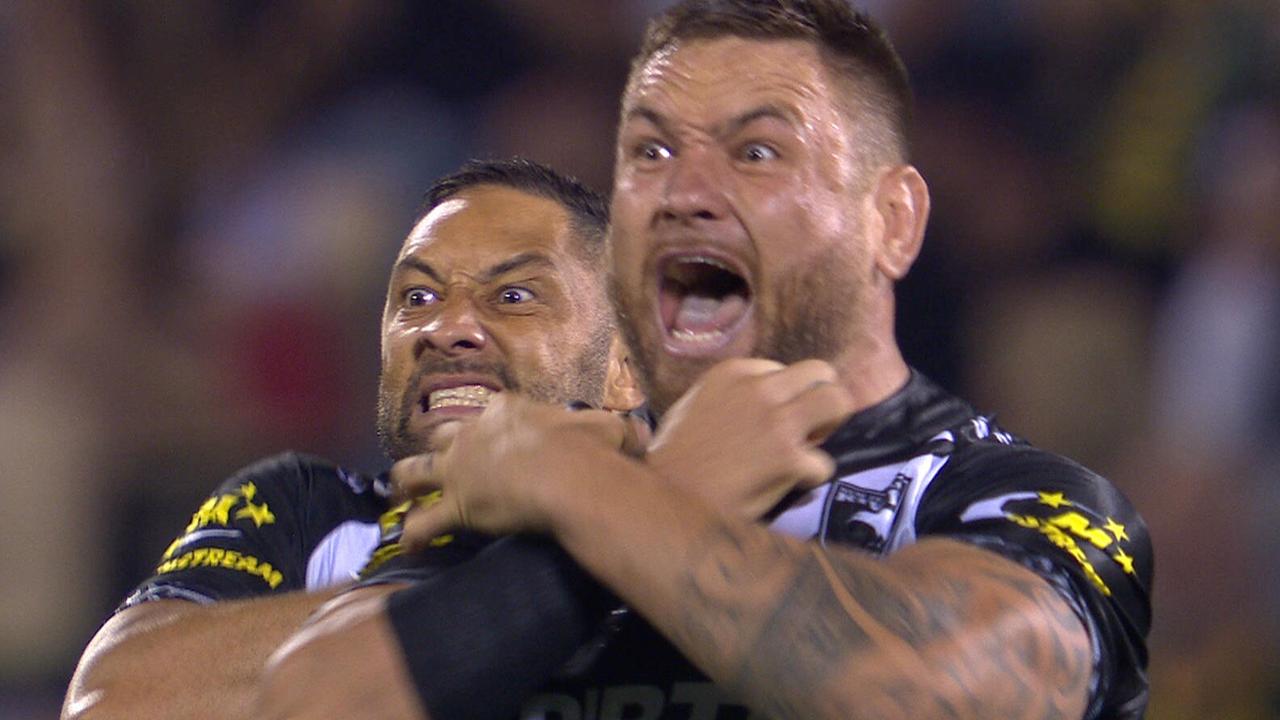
{"type": "Point", "coordinates": [738, 212]}
{"type": "Point", "coordinates": [489, 294]}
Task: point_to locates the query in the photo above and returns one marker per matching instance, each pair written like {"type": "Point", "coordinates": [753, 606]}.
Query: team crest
{"type": "Point", "coordinates": [862, 516]}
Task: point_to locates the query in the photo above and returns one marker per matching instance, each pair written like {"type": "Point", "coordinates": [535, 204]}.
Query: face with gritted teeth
{"type": "Point", "coordinates": [491, 293]}
{"type": "Point", "coordinates": [738, 212]}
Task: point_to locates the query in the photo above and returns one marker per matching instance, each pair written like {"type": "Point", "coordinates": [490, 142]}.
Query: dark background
{"type": "Point", "coordinates": [199, 202]}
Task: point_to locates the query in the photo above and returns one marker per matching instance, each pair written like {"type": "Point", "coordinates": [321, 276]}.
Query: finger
{"type": "Point", "coordinates": [607, 427]}
{"type": "Point", "coordinates": [815, 468]}
{"type": "Point", "coordinates": [445, 434]}
{"type": "Point", "coordinates": [786, 384]}
{"type": "Point", "coordinates": [751, 366]}
{"type": "Point", "coordinates": [638, 435]}
{"type": "Point", "coordinates": [821, 409]}
{"type": "Point", "coordinates": [425, 524]}
{"type": "Point", "coordinates": [742, 368]}
{"type": "Point", "coordinates": [414, 476]}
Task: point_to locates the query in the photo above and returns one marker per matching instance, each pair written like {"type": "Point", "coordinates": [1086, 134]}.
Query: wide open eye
{"type": "Point", "coordinates": [419, 296]}
{"type": "Point", "coordinates": [514, 294]}
{"type": "Point", "coordinates": [757, 152]}
{"type": "Point", "coordinates": [652, 151]}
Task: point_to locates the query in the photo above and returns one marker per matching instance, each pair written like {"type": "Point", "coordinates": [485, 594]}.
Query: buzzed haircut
{"type": "Point", "coordinates": [853, 47]}
{"type": "Point", "coordinates": [588, 210]}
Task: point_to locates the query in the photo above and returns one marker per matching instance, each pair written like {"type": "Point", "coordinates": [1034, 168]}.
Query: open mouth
{"type": "Point", "coordinates": [462, 396]}
{"type": "Point", "coordinates": [703, 301]}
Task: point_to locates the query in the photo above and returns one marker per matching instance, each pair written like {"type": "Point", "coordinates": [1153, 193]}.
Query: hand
{"type": "Point", "coordinates": [747, 432]}
{"type": "Point", "coordinates": [494, 472]}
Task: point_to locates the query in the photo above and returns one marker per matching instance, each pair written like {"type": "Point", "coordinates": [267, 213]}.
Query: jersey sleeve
{"type": "Point", "coordinates": [245, 540]}
{"type": "Point", "coordinates": [1070, 526]}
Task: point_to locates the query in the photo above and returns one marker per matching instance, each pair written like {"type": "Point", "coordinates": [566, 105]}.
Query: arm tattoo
{"type": "Point", "coordinates": [800, 631]}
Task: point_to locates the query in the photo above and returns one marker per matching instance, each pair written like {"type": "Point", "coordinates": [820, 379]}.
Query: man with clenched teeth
{"type": "Point", "coordinates": [764, 207]}
{"type": "Point", "coordinates": [497, 290]}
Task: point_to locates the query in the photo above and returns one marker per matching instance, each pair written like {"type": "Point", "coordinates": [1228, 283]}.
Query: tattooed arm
{"type": "Point", "coordinates": [941, 629]}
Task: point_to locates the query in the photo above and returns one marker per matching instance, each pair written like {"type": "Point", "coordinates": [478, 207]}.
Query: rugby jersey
{"type": "Point", "coordinates": [289, 522]}
{"type": "Point", "coordinates": [921, 463]}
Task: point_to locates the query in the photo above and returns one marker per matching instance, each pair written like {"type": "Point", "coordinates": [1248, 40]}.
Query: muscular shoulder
{"type": "Point", "coordinates": [273, 526]}
{"type": "Point", "coordinates": [1066, 523]}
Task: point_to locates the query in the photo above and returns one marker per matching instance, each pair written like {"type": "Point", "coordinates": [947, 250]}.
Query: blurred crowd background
{"type": "Point", "coordinates": [199, 203]}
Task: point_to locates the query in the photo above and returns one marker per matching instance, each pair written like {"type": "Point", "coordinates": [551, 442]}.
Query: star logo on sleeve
{"type": "Point", "coordinates": [1116, 530]}
{"type": "Point", "coordinates": [1124, 560]}
{"type": "Point", "coordinates": [1054, 500]}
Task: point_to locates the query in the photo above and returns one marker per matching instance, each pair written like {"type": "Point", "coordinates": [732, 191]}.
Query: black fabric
{"type": "Point", "coordinates": [480, 638]}
{"type": "Point", "coordinates": [922, 463]}
{"type": "Point", "coordinates": [1075, 525]}
{"type": "Point", "coordinates": [256, 533]}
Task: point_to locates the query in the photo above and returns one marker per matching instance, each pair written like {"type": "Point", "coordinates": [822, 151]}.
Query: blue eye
{"type": "Point", "coordinates": [513, 295]}
{"type": "Point", "coordinates": [419, 296]}
{"type": "Point", "coordinates": [758, 152]}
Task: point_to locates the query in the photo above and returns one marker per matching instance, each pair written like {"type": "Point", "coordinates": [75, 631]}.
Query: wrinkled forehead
{"type": "Point", "coordinates": [730, 72]}
{"type": "Point", "coordinates": [491, 220]}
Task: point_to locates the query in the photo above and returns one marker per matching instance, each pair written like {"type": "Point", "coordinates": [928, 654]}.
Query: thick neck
{"type": "Point", "coordinates": [872, 368]}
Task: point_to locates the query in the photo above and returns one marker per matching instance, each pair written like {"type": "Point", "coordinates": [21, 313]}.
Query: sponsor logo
{"type": "Point", "coordinates": [633, 702]}
{"type": "Point", "coordinates": [226, 559]}
{"type": "Point", "coordinates": [221, 511]}
{"type": "Point", "coordinates": [1067, 525]}
{"type": "Point", "coordinates": [217, 510]}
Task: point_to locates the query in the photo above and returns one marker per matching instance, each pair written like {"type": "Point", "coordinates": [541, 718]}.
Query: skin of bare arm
{"type": "Point", "coordinates": [794, 630]}
{"type": "Point", "coordinates": [345, 663]}
{"type": "Point", "coordinates": [348, 657]}
{"type": "Point", "coordinates": [177, 659]}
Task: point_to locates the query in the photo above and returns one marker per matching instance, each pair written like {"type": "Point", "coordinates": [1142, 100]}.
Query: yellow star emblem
{"type": "Point", "coordinates": [259, 514]}
{"type": "Point", "coordinates": [1125, 560]}
{"type": "Point", "coordinates": [1117, 530]}
{"type": "Point", "coordinates": [1054, 500]}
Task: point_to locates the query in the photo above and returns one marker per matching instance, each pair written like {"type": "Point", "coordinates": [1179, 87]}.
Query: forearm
{"type": "Point", "coordinates": [471, 642]}
{"type": "Point", "coordinates": [794, 630]}
{"type": "Point", "coordinates": [176, 659]}
{"type": "Point", "coordinates": [345, 663]}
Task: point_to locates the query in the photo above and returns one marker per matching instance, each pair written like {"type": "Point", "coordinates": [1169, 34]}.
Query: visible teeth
{"type": "Point", "coordinates": [693, 336]}
{"type": "Point", "coordinates": [461, 396]}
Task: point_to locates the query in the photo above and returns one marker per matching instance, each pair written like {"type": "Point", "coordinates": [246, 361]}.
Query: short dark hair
{"type": "Point", "coordinates": [588, 210]}
{"type": "Point", "coordinates": [852, 45]}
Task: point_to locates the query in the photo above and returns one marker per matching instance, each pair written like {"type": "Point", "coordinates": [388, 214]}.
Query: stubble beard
{"type": "Point", "coordinates": [816, 317]}
{"type": "Point", "coordinates": [583, 379]}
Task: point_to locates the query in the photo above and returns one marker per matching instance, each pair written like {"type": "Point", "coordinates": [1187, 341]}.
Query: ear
{"type": "Point", "coordinates": [902, 200]}
{"type": "Point", "coordinates": [621, 390]}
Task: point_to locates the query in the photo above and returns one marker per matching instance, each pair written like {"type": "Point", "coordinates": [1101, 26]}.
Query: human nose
{"type": "Point", "coordinates": [455, 330]}
{"type": "Point", "coordinates": [694, 189]}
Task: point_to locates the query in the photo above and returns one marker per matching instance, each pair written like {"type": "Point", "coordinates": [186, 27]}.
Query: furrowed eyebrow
{"type": "Point", "coordinates": [413, 263]}
{"type": "Point", "coordinates": [653, 116]}
{"type": "Point", "coordinates": [763, 112]}
{"type": "Point", "coordinates": [524, 259]}
{"type": "Point", "coordinates": [730, 127]}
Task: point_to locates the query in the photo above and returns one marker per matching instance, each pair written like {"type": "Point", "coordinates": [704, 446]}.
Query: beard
{"type": "Point", "coordinates": [582, 378]}
{"type": "Point", "coordinates": [815, 316]}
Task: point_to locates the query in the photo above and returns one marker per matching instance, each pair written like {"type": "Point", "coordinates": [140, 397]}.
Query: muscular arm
{"type": "Point", "coordinates": [795, 630]}
{"type": "Point", "coordinates": [176, 659]}
{"type": "Point", "coordinates": [346, 663]}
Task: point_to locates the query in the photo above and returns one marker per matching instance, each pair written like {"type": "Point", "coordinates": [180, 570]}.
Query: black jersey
{"type": "Point", "coordinates": [920, 463]}
{"type": "Point", "coordinates": [289, 522]}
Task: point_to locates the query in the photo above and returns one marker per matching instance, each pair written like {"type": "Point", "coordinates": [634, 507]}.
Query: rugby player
{"type": "Point", "coordinates": [764, 207]}
{"type": "Point", "coordinates": [498, 288]}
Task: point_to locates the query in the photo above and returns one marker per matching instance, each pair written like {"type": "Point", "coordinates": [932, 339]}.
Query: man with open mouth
{"type": "Point", "coordinates": [497, 290]}
{"type": "Point", "coordinates": [764, 207]}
